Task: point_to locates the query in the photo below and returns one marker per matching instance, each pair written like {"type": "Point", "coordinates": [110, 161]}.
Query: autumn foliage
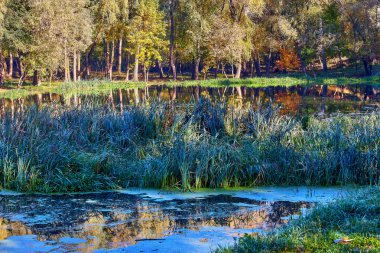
{"type": "Point", "coordinates": [288, 60]}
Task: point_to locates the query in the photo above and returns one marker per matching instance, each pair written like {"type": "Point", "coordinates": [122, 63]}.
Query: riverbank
{"type": "Point", "coordinates": [11, 91]}
{"type": "Point", "coordinates": [346, 225]}
{"type": "Point", "coordinates": [197, 145]}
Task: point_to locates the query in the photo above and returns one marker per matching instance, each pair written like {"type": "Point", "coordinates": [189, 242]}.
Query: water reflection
{"type": "Point", "coordinates": [319, 99]}
{"type": "Point", "coordinates": [116, 220]}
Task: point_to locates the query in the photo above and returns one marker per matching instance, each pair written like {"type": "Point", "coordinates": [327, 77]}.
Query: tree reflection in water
{"type": "Point", "coordinates": [114, 220]}
{"type": "Point", "coordinates": [294, 100]}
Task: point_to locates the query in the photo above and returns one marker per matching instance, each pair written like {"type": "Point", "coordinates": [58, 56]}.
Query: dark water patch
{"type": "Point", "coordinates": [321, 99]}
{"type": "Point", "coordinates": [87, 222]}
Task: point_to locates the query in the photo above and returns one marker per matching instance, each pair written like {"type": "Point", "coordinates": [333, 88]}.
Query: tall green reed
{"type": "Point", "coordinates": [202, 144]}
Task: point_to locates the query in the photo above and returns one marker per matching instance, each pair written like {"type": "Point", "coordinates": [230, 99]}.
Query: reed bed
{"type": "Point", "coordinates": [202, 144]}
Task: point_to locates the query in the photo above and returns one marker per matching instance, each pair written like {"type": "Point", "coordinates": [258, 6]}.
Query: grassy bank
{"type": "Point", "coordinates": [94, 147]}
{"type": "Point", "coordinates": [10, 91]}
{"type": "Point", "coordinates": [103, 86]}
{"type": "Point", "coordinates": [354, 219]}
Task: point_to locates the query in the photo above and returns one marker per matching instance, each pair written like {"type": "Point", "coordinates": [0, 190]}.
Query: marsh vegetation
{"type": "Point", "coordinates": [201, 144]}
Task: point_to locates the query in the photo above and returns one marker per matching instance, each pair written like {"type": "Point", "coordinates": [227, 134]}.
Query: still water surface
{"type": "Point", "coordinates": [139, 221]}
{"type": "Point", "coordinates": [318, 99]}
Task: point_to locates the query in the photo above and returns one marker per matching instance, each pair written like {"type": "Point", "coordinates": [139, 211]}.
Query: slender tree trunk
{"type": "Point", "coordinates": [136, 71]}
{"type": "Point", "coordinates": [79, 66]}
{"type": "Point", "coordinates": [119, 55]}
{"type": "Point", "coordinates": [19, 65]}
{"type": "Point", "coordinates": [10, 68]}
{"type": "Point", "coordinates": [252, 69]}
{"type": "Point", "coordinates": [367, 67]}
{"type": "Point", "coordinates": [36, 78]}
{"type": "Point", "coordinates": [238, 71]}
{"type": "Point", "coordinates": [216, 70]}
{"type": "Point", "coordinates": [22, 79]}
{"type": "Point", "coordinates": [106, 56]}
{"type": "Point", "coordinates": [172, 38]}
{"type": "Point", "coordinates": [267, 64]}
{"type": "Point", "coordinates": [145, 74]}
{"type": "Point", "coordinates": [127, 66]}
{"type": "Point", "coordinates": [50, 76]}
{"type": "Point", "coordinates": [111, 61]}
{"type": "Point", "coordinates": [67, 65]}
{"type": "Point", "coordinates": [322, 49]}
{"type": "Point", "coordinates": [257, 67]}
{"type": "Point", "coordinates": [75, 66]}
{"type": "Point", "coordinates": [1, 67]}
{"type": "Point", "coordinates": [324, 60]}
{"type": "Point", "coordinates": [159, 68]}
{"type": "Point", "coordinates": [196, 68]}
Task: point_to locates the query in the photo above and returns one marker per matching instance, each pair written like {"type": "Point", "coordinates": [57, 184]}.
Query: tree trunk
{"type": "Point", "coordinates": [322, 49]}
{"type": "Point", "coordinates": [111, 61]}
{"type": "Point", "coordinates": [136, 71]}
{"type": "Point", "coordinates": [145, 74]}
{"type": "Point", "coordinates": [257, 67]}
{"type": "Point", "coordinates": [1, 67]}
{"type": "Point", "coordinates": [367, 68]}
{"type": "Point", "coordinates": [36, 78]}
{"type": "Point", "coordinates": [127, 67]}
{"type": "Point", "coordinates": [106, 56]}
{"type": "Point", "coordinates": [67, 65]}
{"type": "Point", "coordinates": [172, 38]}
{"type": "Point", "coordinates": [19, 65]}
{"type": "Point", "coordinates": [324, 60]}
{"type": "Point", "coordinates": [75, 66]}
{"type": "Point", "coordinates": [196, 68]}
{"type": "Point", "coordinates": [10, 68]}
{"type": "Point", "coordinates": [252, 69]}
{"type": "Point", "coordinates": [79, 66]}
{"type": "Point", "coordinates": [238, 71]}
{"type": "Point", "coordinates": [159, 68]}
{"type": "Point", "coordinates": [267, 64]}
{"type": "Point", "coordinates": [119, 55]}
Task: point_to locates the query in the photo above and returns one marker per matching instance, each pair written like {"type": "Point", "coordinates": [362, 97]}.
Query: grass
{"type": "Point", "coordinates": [202, 144]}
{"type": "Point", "coordinates": [11, 91]}
{"type": "Point", "coordinates": [258, 82]}
{"type": "Point", "coordinates": [355, 218]}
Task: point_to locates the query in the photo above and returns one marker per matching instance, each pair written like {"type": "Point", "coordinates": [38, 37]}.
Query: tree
{"type": "Point", "coordinates": [111, 17]}
{"type": "Point", "coordinates": [29, 30]}
{"type": "Point", "coordinates": [226, 43]}
{"type": "Point", "coordinates": [74, 27]}
{"type": "Point", "coordinates": [362, 29]}
{"type": "Point", "coordinates": [44, 32]}
{"type": "Point", "coordinates": [2, 11]}
{"type": "Point", "coordinates": [243, 13]}
{"type": "Point", "coordinates": [146, 35]}
{"type": "Point", "coordinates": [196, 26]}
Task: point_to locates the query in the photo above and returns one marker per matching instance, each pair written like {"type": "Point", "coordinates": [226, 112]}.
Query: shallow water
{"type": "Point", "coordinates": [147, 220]}
{"type": "Point", "coordinates": [317, 99]}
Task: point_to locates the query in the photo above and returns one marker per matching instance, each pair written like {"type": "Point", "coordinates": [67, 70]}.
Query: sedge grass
{"type": "Point", "coordinates": [202, 144]}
